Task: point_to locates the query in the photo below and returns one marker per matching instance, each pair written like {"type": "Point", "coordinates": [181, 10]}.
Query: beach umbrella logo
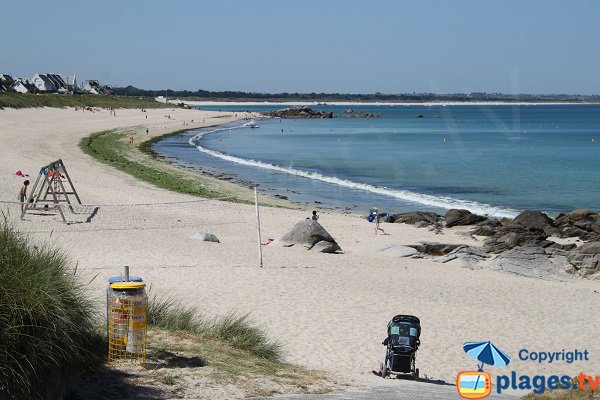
{"type": "Point", "coordinates": [478, 384]}
{"type": "Point", "coordinates": [486, 353]}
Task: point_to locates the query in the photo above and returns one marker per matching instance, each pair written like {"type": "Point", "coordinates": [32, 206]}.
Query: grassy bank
{"type": "Point", "coordinates": [47, 324]}
{"type": "Point", "coordinates": [27, 100]}
{"type": "Point", "coordinates": [112, 148]}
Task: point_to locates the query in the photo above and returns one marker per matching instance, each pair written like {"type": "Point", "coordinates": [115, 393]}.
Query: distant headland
{"type": "Point", "coordinates": [377, 97]}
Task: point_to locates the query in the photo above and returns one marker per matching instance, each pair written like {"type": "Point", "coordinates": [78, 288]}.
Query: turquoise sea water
{"type": "Point", "coordinates": [494, 160]}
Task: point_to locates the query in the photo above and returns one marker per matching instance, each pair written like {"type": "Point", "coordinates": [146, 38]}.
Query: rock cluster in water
{"type": "Point", "coordinates": [307, 112]}
{"type": "Point", "coordinates": [299, 112]}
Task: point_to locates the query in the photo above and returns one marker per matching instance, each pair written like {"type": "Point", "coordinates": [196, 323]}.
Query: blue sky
{"type": "Point", "coordinates": [309, 45]}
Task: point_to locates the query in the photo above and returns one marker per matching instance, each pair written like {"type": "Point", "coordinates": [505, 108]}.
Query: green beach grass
{"type": "Point", "coordinates": [30, 100]}
{"type": "Point", "coordinates": [110, 147]}
{"type": "Point", "coordinates": [48, 328]}
{"type": "Point", "coordinates": [139, 160]}
{"type": "Point", "coordinates": [236, 351]}
{"type": "Point", "coordinates": [165, 312]}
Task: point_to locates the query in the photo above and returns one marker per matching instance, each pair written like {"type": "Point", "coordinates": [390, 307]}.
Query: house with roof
{"type": "Point", "coordinates": [55, 83]}
{"type": "Point", "coordinates": [5, 82]}
{"type": "Point", "coordinates": [94, 87]}
{"type": "Point", "coordinates": [22, 85]}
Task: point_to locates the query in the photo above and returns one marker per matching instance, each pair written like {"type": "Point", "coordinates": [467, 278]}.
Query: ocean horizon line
{"type": "Point", "coordinates": [366, 103]}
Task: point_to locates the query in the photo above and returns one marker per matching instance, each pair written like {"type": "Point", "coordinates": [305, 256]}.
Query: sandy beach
{"type": "Point", "coordinates": [328, 310]}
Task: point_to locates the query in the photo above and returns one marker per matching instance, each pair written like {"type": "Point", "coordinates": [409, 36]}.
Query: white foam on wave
{"type": "Point", "coordinates": [406, 195]}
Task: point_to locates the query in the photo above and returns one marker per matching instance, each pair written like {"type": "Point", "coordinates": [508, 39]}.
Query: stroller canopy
{"type": "Point", "coordinates": [404, 330]}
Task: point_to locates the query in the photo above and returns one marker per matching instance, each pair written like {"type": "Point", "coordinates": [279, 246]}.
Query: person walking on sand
{"type": "Point", "coordinates": [23, 194]}
{"type": "Point", "coordinates": [147, 131]}
{"type": "Point", "coordinates": [377, 228]}
{"type": "Point", "coordinates": [315, 217]}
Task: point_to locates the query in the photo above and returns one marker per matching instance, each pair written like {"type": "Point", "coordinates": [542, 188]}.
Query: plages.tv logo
{"type": "Point", "coordinates": [478, 384]}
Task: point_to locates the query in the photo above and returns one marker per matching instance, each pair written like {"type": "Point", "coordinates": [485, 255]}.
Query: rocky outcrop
{"type": "Point", "coordinates": [418, 218]}
{"type": "Point", "coordinates": [299, 112]}
{"type": "Point", "coordinates": [350, 113]}
{"type": "Point", "coordinates": [311, 234]}
{"type": "Point", "coordinates": [581, 223]}
{"type": "Point", "coordinates": [486, 228]}
{"type": "Point", "coordinates": [533, 261]}
{"type": "Point", "coordinates": [537, 220]}
{"type": "Point", "coordinates": [456, 217]}
{"type": "Point", "coordinates": [463, 256]}
{"type": "Point", "coordinates": [434, 249]}
{"type": "Point", "coordinates": [523, 244]}
{"type": "Point", "coordinates": [585, 261]}
{"type": "Point", "coordinates": [511, 235]}
{"type": "Point", "coordinates": [397, 251]}
{"type": "Point", "coordinates": [458, 254]}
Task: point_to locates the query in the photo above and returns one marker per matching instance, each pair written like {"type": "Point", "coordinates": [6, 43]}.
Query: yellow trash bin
{"type": "Point", "coordinates": [127, 306]}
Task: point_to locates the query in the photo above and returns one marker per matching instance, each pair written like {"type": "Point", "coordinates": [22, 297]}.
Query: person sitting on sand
{"type": "Point", "coordinates": [23, 194]}
{"type": "Point", "coordinates": [315, 217]}
{"type": "Point", "coordinates": [377, 228]}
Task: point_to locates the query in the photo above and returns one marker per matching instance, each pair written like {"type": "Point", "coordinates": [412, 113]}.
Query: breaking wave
{"type": "Point", "coordinates": [405, 195]}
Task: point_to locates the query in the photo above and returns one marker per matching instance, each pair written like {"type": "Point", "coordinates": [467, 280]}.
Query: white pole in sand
{"type": "Point", "coordinates": [260, 258]}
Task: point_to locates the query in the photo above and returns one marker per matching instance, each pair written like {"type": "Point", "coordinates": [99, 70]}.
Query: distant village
{"type": "Point", "coordinates": [51, 83]}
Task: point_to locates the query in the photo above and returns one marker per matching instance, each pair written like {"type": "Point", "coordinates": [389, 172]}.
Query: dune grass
{"type": "Point", "coordinates": [27, 100]}
{"type": "Point", "coordinates": [236, 352]}
{"type": "Point", "coordinates": [234, 329]}
{"type": "Point", "coordinates": [47, 325]}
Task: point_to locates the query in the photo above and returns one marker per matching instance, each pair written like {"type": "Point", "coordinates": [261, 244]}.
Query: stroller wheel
{"type": "Point", "coordinates": [417, 374]}
{"type": "Point", "coordinates": [383, 369]}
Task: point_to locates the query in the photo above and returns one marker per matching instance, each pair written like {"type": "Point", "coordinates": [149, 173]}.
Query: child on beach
{"type": "Point", "coordinates": [315, 217]}
{"type": "Point", "coordinates": [377, 228]}
{"type": "Point", "coordinates": [23, 194]}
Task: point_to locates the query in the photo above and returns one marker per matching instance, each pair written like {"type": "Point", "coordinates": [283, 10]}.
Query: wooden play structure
{"type": "Point", "coordinates": [51, 190]}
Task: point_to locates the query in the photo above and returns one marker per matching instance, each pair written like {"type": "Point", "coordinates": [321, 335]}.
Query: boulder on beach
{"type": "Point", "coordinates": [435, 249]}
{"type": "Point", "coordinates": [581, 223]}
{"type": "Point", "coordinates": [456, 217]}
{"type": "Point", "coordinates": [537, 220]}
{"type": "Point", "coordinates": [463, 256]}
{"type": "Point", "coordinates": [205, 237]}
{"type": "Point", "coordinates": [534, 262]}
{"type": "Point", "coordinates": [397, 250]}
{"type": "Point", "coordinates": [510, 235]}
{"type": "Point", "coordinates": [311, 234]}
{"type": "Point", "coordinates": [486, 227]}
{"type": "Point", "coordinates": [416, 217]}
{"type": "Point", "coordinates": [585, 261]}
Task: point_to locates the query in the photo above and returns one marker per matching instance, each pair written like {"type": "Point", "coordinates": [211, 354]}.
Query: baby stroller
{"type": "Point", "coordinates": [402, 344]}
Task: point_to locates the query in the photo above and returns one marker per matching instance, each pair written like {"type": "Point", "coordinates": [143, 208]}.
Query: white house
{"type": "Point", "coordinates": [22, 85]}
{"type": "Point", "coordinates": [55, 83]}
{"type": "Point", "coordinates": [94, 87]}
